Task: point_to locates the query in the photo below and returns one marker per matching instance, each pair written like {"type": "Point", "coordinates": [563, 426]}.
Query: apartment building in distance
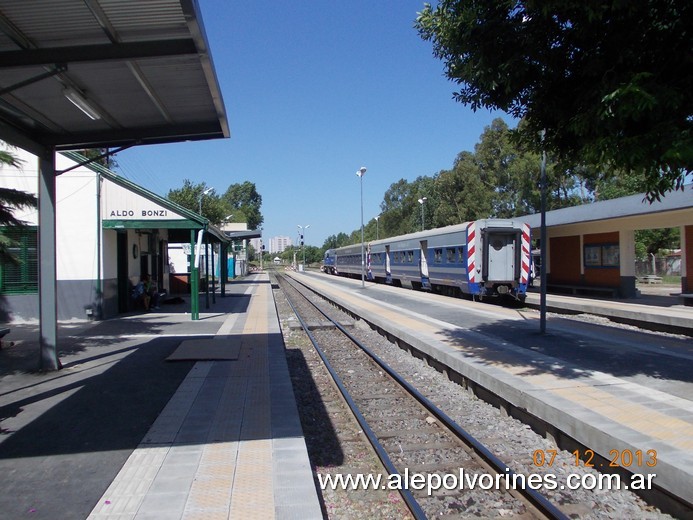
{"type": "Point", "coordinates": [279, 244]}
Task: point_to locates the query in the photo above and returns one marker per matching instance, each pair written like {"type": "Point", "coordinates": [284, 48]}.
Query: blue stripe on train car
{"type": "Point", "coordinates": [425, 282]}
{"type": "Point", "coordinates": [474, 288]}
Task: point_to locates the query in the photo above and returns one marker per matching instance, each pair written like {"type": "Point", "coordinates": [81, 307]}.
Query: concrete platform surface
{"type": "Point", "coordinates": [611, 389]}
{"type": "Point", "coordinates": [120, 432]}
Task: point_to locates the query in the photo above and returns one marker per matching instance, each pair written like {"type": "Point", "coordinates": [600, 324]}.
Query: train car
{"type": "Point", "coordinates": [328, 262]}
{"type": "Point", "coordinates": [488, 257]}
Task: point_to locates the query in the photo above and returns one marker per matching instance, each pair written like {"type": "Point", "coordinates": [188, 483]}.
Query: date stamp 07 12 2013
{"type": "Point", "coordinates": [617, 458]}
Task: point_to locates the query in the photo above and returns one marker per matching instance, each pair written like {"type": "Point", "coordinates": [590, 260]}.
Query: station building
{"type": "Point", "coordinates": [592, 247]}
{"type": "Point", "coordinates": [109, 233]}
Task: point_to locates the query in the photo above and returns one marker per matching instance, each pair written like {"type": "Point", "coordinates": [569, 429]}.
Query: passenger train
{"type": "Point", "coordinates": [488, 257]}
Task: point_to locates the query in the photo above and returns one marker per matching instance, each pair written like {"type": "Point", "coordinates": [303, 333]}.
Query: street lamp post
{"type": "Point", "coordinates": [421, 201]}
{"type": "Point", "coordinates": [377, 231]}
{"type": "Point", "coordinates": [361, 172]}
{"type": "Point", "coordinates": [543, 239]}
{"type": "Point", "coordinates": [303, 247]}
{"type": "Point", "coordinates": [206, 192]}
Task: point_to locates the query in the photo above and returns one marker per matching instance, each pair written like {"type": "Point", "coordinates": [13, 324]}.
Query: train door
{"type": "Point", "coordinates": [423, 264]}
{"type": "Point", "coordinates": [388, 269]}
{"type": "Point", "coordinates": [369, 271]}
{"type": "Point", "coordinates": [501, 252]}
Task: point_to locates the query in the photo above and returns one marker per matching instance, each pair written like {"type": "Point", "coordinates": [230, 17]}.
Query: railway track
{"type": "Point", "coordinates": [438, 467]}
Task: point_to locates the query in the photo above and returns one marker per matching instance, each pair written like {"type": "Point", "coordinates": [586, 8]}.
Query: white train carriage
{"type": "Point", "coordinates": [482, 258]}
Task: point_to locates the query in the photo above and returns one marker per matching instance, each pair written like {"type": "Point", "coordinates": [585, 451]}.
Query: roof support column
{"type": "Point", "coordinates": [687, 259]}
{"type": "Point", "coordinates": [48, 309]}
{"type": "Point", "coordinates": [206, 271]}
{"type": "Point", "coordinates": [626, 246]}
{"type": "Point", "coordinates": [194, 280]}
{"type": "Point", "coordinates": [223, 267]}
{"type": "Point", "coordinates": [214, 276]}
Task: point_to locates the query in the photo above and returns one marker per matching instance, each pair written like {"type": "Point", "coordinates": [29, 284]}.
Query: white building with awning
{"type": "Point", "coordinates": [109, 233]}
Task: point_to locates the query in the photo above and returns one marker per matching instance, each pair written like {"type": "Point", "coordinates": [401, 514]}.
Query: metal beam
{"type": "Point", "coordinates": [143, 135]}
{"type": "Point", "coordinates": [96, 53]}
{"type": "Point", "coordinates": [58, 69]}
{"type": "Point", "coordinates": [95, 159]}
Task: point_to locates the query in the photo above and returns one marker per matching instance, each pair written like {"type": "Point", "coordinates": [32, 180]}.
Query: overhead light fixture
{"type": "Point", "coordinates": [80, 101]}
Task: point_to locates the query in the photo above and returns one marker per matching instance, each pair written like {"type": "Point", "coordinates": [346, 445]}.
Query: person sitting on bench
{"type": "Point", "coordinates": [146, 292]}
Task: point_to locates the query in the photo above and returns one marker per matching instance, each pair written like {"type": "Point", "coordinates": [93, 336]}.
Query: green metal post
{"type": "Point", "coordinates": [194, 281]}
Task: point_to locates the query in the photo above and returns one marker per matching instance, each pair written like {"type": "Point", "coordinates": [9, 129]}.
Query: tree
{"type": "Point", "coordinates": [652, 241]}
{"type": "Point", "coordinates": [463, 194]}
{"type": "Point", "coordinates": [400, 212]}
{"type": "Point", "coordinates": [244, 200]}
{"type": "Point", "coordinates": [609, 82]}
{"type": "Point", "coordinates": [108, 160]}
{"type": "Point", "coordinates": [335, 241]}
{"type": "Point", "coordinates": [10, 200]}
{"type": "Point", "coordinates": [190, 195]}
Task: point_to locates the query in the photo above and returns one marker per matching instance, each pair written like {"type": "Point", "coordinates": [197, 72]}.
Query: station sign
{"type": "Point", "coordinates": [120, 203]}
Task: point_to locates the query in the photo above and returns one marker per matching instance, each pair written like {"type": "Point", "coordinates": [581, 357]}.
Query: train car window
{"type": "Point", "coordinates": [438, 256]}
{"type": "Point", "coordinates": [410, 257]}
{"type": "Point", "coordinates": [461, 255]}
{"type": "Point", "coordinates": [450, 255]}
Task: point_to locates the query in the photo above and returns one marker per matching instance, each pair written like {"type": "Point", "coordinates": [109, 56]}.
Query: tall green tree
{"type": "Point", "coordinates": [338, 240]}
{"type": "Point", "coordinates": [462, 193]}
{"type": "Point", "coordinates": [244, 200]}
{"type": "Point", "coordinates": [609, 82]}
{"type": "Point", "coordinates": [400, 211]}
{"type": "Point", "coordinates": [395, 209]}
{"type": "Point", "coordinates": [10, 200]}
{"type": "Point", "coordinates": [510, 171]}
{"type": "Point", "coordinates": [496, 154]}
{"type": "Point", "coordinates": [190, 195]}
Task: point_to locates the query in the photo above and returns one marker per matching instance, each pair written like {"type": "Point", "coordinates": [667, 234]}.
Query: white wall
{"type": "Point", "coordinates": [75, 212]}
{"type": "Point", "coordinates": [76, 223]}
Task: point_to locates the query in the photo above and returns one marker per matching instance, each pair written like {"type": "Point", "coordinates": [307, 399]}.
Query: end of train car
{"type": "Point", "coordinates": [328, 262]}
{"type": "Point", "coordinates": [498, 258]}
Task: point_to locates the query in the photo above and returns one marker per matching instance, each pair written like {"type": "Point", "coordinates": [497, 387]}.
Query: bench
{"type": "Point", "coordinates": [650, 279]}
{"type": "Point", "coordinates": [4, 332]}
{"type": "Point", "coordinates": [583, 289]}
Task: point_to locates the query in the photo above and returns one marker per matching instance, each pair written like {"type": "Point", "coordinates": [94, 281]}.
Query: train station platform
{"type": "Point", "coordinates": [155, 416]}
{"type": "Point", "coordinates": [656, 308]}
{"type": "Point", "coordinates": [625, 394]}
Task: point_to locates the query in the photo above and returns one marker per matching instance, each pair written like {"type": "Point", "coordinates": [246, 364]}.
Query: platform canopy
{"type": "Point", "coordinates": [78, 74]}
{"type": "Point", "coordinates": [104, 73]}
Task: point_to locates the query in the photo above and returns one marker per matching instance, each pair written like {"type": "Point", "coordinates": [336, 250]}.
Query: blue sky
{"type": "Point", "coordinates": [315, 89]}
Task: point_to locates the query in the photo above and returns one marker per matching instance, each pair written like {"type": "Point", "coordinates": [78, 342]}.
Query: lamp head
{"type": "Point", "coordinates": [361, 172]}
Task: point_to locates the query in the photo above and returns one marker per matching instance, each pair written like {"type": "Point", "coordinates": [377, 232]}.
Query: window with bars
{"type": "Point", "coordinates": [22, 277]}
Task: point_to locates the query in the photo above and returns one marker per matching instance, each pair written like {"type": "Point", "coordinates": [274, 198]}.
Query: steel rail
{"type": "Point", "coordinates": [537, 499]}
{"type": "Point", "coordinates": [408, 497]}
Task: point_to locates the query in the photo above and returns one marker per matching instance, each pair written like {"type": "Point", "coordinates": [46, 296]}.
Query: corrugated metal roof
{"type": "Point", "coordinates": [623, 207]}
{"type": "Point", "coordinates": [143, 67]}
